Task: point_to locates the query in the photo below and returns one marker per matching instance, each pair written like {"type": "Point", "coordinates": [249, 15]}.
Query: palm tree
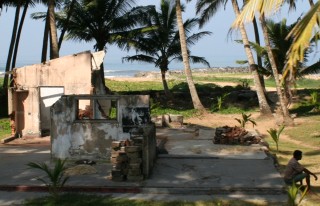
{"type": "Point", "coordinates": [17, 30]}
{"type": "Point", "coordinates": [207, 10]}
{"type": "Point", "coordinates": [280, 44]}
{"type": "Point", "coordinates": [105, 22]}
{"type": "Point", "coordinates": [27, 4]}
{"type": "Point", "coordinates": [161, 46]}
{"type": "Point", "coordinates": [303, 33]}
{"type": "Point", "coordinates": [249, 9]}
{"type": "Point", "coordinates": [287, 120]}
{"type": "Point", "coordinates": [12, 42]}
{"type": "Point", "coordinates": [185, 57]}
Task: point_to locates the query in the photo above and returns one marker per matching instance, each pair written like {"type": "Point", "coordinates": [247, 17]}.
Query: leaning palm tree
{"type": "Point", "coordinates": [287, 120]}
{"type": "Point", "coordinates": [105, 22]}
{"type": "Point", "coordinates": [248, 13]}
{"type": "Point", "coordinates": [185, 57]}
{"type": "Point", "coordinates": [161, 45]}
{"type": "Point", "coordinates": [278, 32]}
{"type": "Point", "coordinates": [206, 9]}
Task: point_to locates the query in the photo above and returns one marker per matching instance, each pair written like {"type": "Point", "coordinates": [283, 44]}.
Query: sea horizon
{"type": "Point", "coordinates": [130, 69]}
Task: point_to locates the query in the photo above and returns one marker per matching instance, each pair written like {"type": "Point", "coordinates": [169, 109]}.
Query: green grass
{"type": "Point", "coordinates": [5, 130]}
{"type": "Point", "coordinates": [121, 86]}
{"type": "Point", "coordinates": [77, 199]}
{"type": "Point", "coordinates": [236, 110]}
{"type": "Point", "coordinates": [307, 134]}
{"type": "Point", "coordinates": [234, 78]}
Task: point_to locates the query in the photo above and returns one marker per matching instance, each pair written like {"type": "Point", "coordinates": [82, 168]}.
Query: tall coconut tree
{"type": "Point", "coordinates": [249, 10]}
{"type": "Point", "coordinates": [287, 120]}
{"type": "Point", "coordinates": [206, 9]}
{"type": "Point", "coordinates": [27, 4]}
{"type": "Point", "coordinates": [17, 30]}
{"type": "Point", "coordinates": [105, 22]}
{"type": "Point", "coordinates": [278, 32]}
{"type": "Point", "coordinates": [185, 57]}
{"type": "Point", "coordinates": [161, 45]}
{"type": "Point", "coordinates": [12, 43]}
{"type": "Point", "coordinates": [303, 33]}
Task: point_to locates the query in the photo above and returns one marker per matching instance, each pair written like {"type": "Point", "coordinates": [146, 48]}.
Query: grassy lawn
{"type": "Point", "coordinates": [305, 138]}
{"type": "Point", "coordinates": [238, 78]}
{"type": "Point", "coordinates": [5, 130]}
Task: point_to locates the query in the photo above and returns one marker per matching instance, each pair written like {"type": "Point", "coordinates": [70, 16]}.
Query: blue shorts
{"type": "Point", "coordinates": [296, 178]}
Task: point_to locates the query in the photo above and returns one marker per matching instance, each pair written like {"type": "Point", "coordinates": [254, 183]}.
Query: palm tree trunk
{"type": "Point", "coordinates": [287, 120]}
{"type": "Point", "coordinates": [311, 3]}
{"type": "Point", "coordinates": [184, 50]}
{"type": "Point", "coordinates": [45, 39]}
{"type": "Point", "coordinates": [259, 59]}
{"type": "Point", "coordinates": [16, 47]}
{"type": "Point", "coordinates": [65, 26]}
{"type": "Point", "coordinates": [54, 49]}
{"type": "Point", "coordinates": [263, 103]}
{"type": "Point", "coordinates": [12, 43]}
{"type": "Point", "coordinates": [164, 82]}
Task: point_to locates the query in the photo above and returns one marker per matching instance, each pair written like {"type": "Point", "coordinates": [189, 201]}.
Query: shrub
{"type": "Point", "coordinates": [55, 176]}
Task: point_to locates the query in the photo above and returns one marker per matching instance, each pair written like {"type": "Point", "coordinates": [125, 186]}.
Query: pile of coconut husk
{"type": "Point", "coordinates": [234, 135]}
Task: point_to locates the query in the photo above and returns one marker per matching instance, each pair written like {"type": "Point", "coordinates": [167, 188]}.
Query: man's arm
{"type": "Point", "coordinates": [310, 173]}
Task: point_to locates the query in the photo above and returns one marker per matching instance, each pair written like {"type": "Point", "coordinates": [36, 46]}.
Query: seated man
{"type": "Point", "coordinates": [295, 172]}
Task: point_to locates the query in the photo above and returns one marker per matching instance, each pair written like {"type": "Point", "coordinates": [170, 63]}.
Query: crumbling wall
{"type": "Point", "coordinates": [73, 73]}
{"type": "Point", "coordinates": [76, 138]}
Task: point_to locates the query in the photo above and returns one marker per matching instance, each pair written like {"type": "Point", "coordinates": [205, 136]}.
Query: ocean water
{"type": "Point", "coordinates": [118, 70]}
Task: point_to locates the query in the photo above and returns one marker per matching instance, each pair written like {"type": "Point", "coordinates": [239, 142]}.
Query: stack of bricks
{"type": "Point", "coordinates": [126, 161]}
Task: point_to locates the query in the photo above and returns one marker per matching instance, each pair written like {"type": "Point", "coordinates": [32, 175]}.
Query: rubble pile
{"type": "Point", "coordinates": [126, 159]}
{"type": "Point", "coordinates": [234, 135]}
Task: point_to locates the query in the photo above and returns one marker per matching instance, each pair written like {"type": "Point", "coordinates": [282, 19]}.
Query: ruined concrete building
{"type": "Point", "coordinates": [65, 98]}
{"type": "Point", "coordinates": [37, 87]}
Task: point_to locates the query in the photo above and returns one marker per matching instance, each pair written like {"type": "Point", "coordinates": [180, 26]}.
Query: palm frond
{"type": "Point", "coordinates": [264, 7]}
{"type": "Point", "coordinates": [197, 59]}
{"type": "Point", "coordinates": [302, 34]}
{"type": "Point", "coordinates": [206, 9]}
{"type": "Point", "coordinates": [312, 69]}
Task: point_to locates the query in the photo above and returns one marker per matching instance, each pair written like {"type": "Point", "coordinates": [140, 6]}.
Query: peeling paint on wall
{"type": "Point", "coordinates": [92, 137]}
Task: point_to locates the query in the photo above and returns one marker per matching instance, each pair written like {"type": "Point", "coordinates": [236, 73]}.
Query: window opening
{"type": "Point", "coordinates": [97, 109]}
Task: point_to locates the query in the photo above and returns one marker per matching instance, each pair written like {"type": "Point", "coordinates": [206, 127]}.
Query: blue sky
{"type": "Point", "coordinates": [219, 48]}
